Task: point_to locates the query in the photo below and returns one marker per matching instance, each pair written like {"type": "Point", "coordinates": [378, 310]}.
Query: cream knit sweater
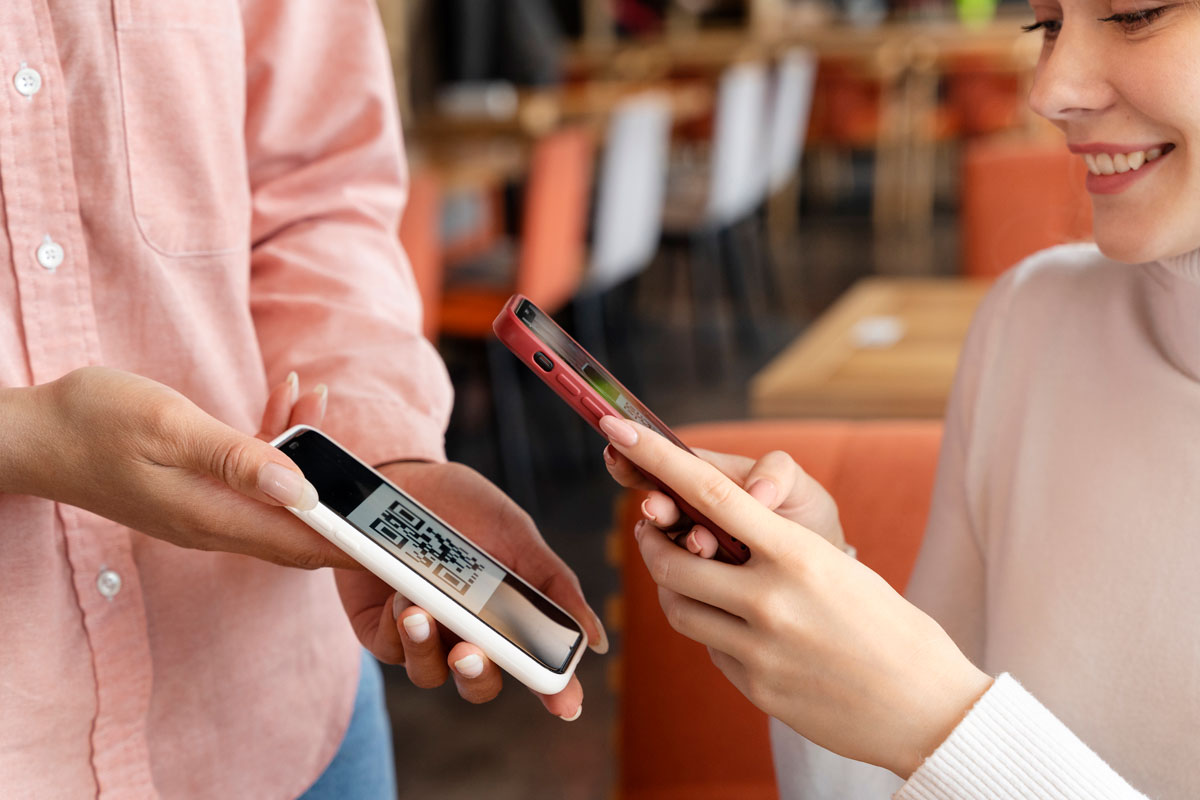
{"type": "Point", "coordinates": [1063, 547]}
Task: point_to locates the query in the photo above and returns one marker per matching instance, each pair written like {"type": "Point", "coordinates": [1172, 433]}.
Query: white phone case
{"type": "Point", "coordinates": [421, 592]}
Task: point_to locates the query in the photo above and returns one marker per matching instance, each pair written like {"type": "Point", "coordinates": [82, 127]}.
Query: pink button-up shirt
{"type": "Point", "coordinates": [205, 192]}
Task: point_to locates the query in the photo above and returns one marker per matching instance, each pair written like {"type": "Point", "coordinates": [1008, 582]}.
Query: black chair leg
{"type": "Point", "coordinates": [707, 311]}
{"type": "Point", "coordinates": [738, 261]}
{"type": "Point", "coordinates": [512, 431]}
{"type": "Point", "coordinates": [589, 324]}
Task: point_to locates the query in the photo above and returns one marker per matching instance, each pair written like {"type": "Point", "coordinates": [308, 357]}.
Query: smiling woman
{"type": "Point", "coordinates": [1122, 81]}
{"type": "Point", "coordinates": [1047, 647]}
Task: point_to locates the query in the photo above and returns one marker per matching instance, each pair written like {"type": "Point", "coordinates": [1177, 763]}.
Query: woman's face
{"type": "Point", "coordinates": [1121, 78]}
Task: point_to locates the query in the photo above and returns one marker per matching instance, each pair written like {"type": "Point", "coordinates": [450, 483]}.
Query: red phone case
{"type": "Point", "coordinates": [591, 405]}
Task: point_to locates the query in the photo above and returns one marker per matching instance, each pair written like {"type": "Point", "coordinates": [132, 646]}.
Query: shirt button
{"type": "Point", "coordinates": [50, 254]}
{"type": "Point", "coordinates": [28, 81]}
{"type": "Point", "coordinates": [108, 583]}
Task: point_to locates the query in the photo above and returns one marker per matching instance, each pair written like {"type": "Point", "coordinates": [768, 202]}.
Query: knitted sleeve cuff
{"type": "Point", "coordinates": [1010, 746]}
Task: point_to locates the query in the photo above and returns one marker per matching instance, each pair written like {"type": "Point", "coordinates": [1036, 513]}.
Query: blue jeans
{"type": "Point", "coordinates": [363, 767]}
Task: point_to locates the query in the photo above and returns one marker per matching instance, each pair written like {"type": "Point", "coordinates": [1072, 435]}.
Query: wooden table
{"type": "Point", "coordinates": [833, 371]}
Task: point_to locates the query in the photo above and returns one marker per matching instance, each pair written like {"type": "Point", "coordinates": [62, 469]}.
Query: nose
{"type": "Point", "coordinates": [1072, 79]}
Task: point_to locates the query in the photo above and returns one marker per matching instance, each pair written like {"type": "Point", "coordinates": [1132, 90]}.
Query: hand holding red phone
{"type": "Point", "coordinates": [808, 635]}
{"type": "Point", "coordinates": [593, 392]}
{"type": "Point", "coordinates": [775, 480]}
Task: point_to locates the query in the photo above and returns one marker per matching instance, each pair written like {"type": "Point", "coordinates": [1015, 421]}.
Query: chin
{"type": "Point", "coordinates": [1126, 251]}
{"type": "Point", "coordinates": [1132, 244]}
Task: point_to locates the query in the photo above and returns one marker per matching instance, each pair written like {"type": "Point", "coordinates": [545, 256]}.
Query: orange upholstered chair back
{"type": "Point", "coordinates": [684, 732]}
{"type": "Point", "coordinates": [550, 265]}
{"type": "Point", "coordinates": [1019, 196]}
{"type": "Point", "coordinates": [420, 235]}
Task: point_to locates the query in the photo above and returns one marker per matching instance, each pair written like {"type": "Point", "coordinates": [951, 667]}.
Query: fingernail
{"type": "Point", "coordinates": [693, 544]}
{"type": "Point", "coordinates": [470, 666]}
{"type": "Point", "coordinates": [600, 647]}
{"type": "Point", "coordinates": [293, 381]}
{"type": "Point", "coordinates": [417, 628]}
{"type": "Point", "coordinates": [574, 716]}
{"type": "Point", "coordinates": [399, 603]}
{"type": "Point", "coordinates": [609, 458]}
{"type": "Point", "coordinates": [646, 510]}
{"type": "Point", "coordinates": [764, 491]}
{"type": "Point", "coordinates": [286, 486]}
{"type": "Point", "coordinates": [619, 431]}
{"type": "Point", "coordinates": [637, 529]}
{"type": "Point", "coordinates": [323, 391]}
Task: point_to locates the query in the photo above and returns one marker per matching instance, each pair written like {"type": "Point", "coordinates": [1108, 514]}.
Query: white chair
{"type": "Point", "coordinates": [787, 127]}
{"type": "Point", "coordinates": [630, 187]}
{"type": "Point", "coordinates": [730, 185]}
{"type": "Point", "coordinates": [707, 200]}
{"type": "Point", "coordinates": [631, 183]}
{"type": "Point", "coordinates": [791, 105]}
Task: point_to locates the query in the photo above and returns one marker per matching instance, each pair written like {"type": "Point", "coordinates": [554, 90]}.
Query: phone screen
{"type": "Point", "coordinates": [415, 537]}
{"type": "Point", "coordinates": [596, 376]}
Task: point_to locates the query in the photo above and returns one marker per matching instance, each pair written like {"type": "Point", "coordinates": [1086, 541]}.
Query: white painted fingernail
{"type": "Point", "coordinates": [574, 716]}
{"type": "Point", "coordinates": [470, 666]}
{"type": "Point", "coordinates": [323, 391]}
{"type": "Point", "coordinates": [417, 627]}
{"type": "Point", "coordinates": [287, 486]}
{"type": "Point", "coordinates": [399, 603]}
{"type": "Point", "coordinates": [293, 381]}
{"type": "Point", "coordinates": [601, 646]}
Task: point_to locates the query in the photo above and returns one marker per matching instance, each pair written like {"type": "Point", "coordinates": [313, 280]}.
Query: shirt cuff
{"type": "Point", "coordinates": [381, 431]}
{"type": "Point", "coordinates": [1009, 745]}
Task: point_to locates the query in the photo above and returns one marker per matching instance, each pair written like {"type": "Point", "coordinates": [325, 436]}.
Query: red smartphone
{"type": "Point", "coordinates": [592, 391]}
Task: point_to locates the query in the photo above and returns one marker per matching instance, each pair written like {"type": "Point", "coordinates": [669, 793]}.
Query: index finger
{"type": "Point", "coordinates": [701, 484]}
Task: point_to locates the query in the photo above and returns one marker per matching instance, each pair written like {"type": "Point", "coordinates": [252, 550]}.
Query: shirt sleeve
{"type": "Point", "coordinates": [1008, 746]}
{"type": "Point", "coordinates": [948, 581]}
{"type": "Point", "coordinates": [331, 292]}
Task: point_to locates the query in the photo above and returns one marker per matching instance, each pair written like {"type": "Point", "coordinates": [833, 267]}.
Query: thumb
{"type": "Point", "coordinates": [247, 464]}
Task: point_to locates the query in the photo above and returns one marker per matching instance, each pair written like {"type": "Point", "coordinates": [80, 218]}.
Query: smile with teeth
{"type": "Point", "coordinates": [1111, 164]}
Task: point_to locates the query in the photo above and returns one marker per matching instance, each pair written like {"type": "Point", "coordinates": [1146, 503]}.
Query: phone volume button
{"type": "Point", "coordinates": [324, 522]}
{"type": "Point", "coordinates": [570, 384]}
{"type": "Point", "coordinates": [319, 521]}
{"type": "Point", "coordinates": [594, 407]}
{"type": "Point", "coordinates": [347, 540]}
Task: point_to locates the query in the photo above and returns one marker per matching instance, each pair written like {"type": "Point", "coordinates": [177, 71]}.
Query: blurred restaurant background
{"type": "Point", "coordinates": [773, 221]}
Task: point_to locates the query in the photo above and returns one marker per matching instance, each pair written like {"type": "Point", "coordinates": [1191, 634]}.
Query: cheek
{"type": "Point", "coordinates": [1160, 221]}
{"type": "Point", "coordinates": [1160, 217]}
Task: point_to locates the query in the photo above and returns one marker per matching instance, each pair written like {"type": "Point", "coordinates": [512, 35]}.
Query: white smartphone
{"type": "Point", "coordinates": [436, 567]}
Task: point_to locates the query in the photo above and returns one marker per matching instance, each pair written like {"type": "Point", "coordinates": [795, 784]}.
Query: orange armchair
{"type": "Point", "coordinates": [1019, 196]}
{"type": "Point", "coordinates": [684, 732]}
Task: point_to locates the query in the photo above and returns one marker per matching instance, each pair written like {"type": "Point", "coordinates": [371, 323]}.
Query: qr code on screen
{"type": "Point", "coordinates": [418, 541]}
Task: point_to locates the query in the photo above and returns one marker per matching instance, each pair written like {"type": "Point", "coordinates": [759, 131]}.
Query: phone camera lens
{"type": "Point", "coordinates": [293, 445]}
{"type": "Point", "coordinates": [543, 361]}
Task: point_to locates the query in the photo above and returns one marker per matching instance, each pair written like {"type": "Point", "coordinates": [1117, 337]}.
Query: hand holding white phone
{"type": "Point", "coordinates": [435, 566]}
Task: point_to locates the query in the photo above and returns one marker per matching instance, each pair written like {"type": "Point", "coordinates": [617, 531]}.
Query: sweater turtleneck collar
{"type": "Point", "coordinates": [1185, 266]}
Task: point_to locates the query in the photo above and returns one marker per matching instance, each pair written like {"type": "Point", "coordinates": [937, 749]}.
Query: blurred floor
{"type": "Point", "coordinates": [511, 748]}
